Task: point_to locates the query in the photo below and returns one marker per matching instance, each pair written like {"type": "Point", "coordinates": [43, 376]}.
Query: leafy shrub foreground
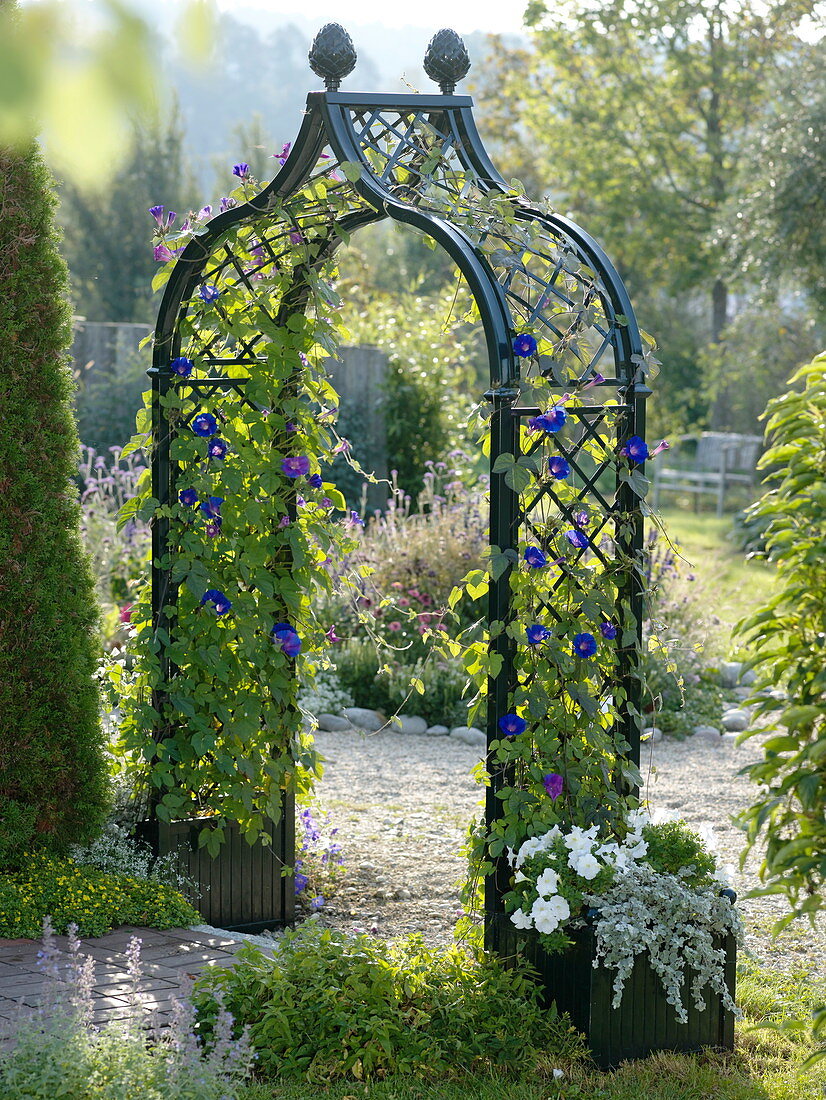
{"type": "Point", "coordinates": [91, 899]}
{"type": "Point", "coordinates": [330, 1006]}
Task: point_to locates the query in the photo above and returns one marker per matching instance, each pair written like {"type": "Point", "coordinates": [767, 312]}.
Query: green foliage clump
{"type": "Point", "coordinates": [673, 847]}
{"type": "Point", "coordinates": [787, 636]}
{"type": "Point", "coordinates": [329, 1006]}
{"type": "Point", "coordinates": [53, 787]}
{"type": "Point", "coordinates": [430, 377]}
{"type": "Point", "coordinates": [95, 901]}
{"type": "Point", "coordinates": [443, 683]}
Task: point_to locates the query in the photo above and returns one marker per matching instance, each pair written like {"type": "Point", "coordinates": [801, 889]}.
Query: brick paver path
{"type": "Point", "coordinates": [168, 958]}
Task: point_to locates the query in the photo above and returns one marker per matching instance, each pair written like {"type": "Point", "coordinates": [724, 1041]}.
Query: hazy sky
{"type": "Point", "coordinates": [461, 15]}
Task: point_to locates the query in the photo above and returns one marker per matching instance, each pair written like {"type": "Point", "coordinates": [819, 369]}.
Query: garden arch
{"type": "Point", "coordinates": [418, 160]}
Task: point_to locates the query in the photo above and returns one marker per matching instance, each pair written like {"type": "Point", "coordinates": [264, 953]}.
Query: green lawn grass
{"type": "Point", "coordinates": [728, 585]}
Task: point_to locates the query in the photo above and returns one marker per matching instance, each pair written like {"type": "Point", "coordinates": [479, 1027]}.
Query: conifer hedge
{"type": "Point", "coordinates": [52, 764]}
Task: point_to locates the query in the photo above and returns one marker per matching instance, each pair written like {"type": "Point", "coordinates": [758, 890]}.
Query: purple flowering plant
{"type": "Point", "coordinates": [319, 865]}
{"type": "Point", "coordinates": [253, 473]}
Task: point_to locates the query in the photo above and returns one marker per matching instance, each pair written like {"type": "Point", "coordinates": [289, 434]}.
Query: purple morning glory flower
{"type": "Point", "coordinates": [285, 152]}
{"type": "Point", "coordinates": [295, 466]}
{"type": "Point", "coordinates": [300, 882]}
{"type": "Point", "coordinates": [217, 448]}
{"type": "Point", "coordinates": [286, 638]}
{"type": "Point", "coordinates": [188, 497]}
{"type": "Point", "coordinates": [204, 212]}
{"type": "Point", "coordinates": [577, 538]}
{"type": "Point", "coordinates": [204, 424]}
{"type": "Point", "coordinates": [316, 480]}
{"type": "Point", "coordinates": [317, 903]}
{"type": "Point", "coordinates": [214, 529]}
{"type": "Point", "coordinates": [584, 645]}
{"type": "Point", "coordinates": [219, 601]}
{"type": "Point", "coordinates": [512, 725]}
{"type": "Point", "coordinates": [597, 380]}
{"type": "Point", "coordinates": [553, 784]}
{"type": "Point", "coordinates": [558, 468]}
{"type": "Point", "coordinates": [537, 633]}
{"type": "Point", "coordinates": [355, 520]}
{"type": "Point", "coordinates": [241, 170]}
{"type": "Point", "coordinates": [608, 630]}
{"type": "Point", "coordinates": [212, 507]}
{"type": "Point", "coordinates": [524, 345]}
{"type": "Point", "coordinates": [226, 204]}
{"type": "Point", "coordinates": [636, 449]}
{"type": "Point", "coordinates": [663, 445]}
{"type": "Point", "coordinates": [550, 421]}
{"type": "Point", "coordinates": [535, 558]}
{"type": "Point", "coordinates": [182, 366]}
{"type": "Point", "coordinates": [163, 254]}
{"type": "Point", "coordinates": [295, 237]}
{"type": "Point", "coordinates": [209, 293]}
{"type": "Point", "coordinates": [157, 213]}
{"type": "Point", "coordinates": [581, 518]}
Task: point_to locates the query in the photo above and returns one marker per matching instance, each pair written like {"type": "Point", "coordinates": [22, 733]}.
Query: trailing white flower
{"type": "Point", "coordinates": [680, 926]}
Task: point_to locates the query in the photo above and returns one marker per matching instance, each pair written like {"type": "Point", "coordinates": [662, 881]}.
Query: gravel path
{"type": "Point", "coordinates": [402, 804]}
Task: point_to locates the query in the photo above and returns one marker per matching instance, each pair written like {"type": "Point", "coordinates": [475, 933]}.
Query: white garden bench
{"type": "Point", "coordinates": [707, 463]}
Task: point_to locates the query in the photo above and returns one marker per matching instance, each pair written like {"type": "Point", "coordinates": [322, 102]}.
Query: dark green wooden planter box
{"type": "Point", "coordinates": [643, 1023]}
{"type": "Point", "coordinates": [242, 887]}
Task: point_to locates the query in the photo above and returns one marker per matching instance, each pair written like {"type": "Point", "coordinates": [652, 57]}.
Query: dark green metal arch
{"type": "Point", "coordinates": [422, 164]}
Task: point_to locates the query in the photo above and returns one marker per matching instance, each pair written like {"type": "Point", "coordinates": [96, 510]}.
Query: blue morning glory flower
{"type": "Point", "coordinates": [316, 480]}
{"type": "Point", "coordinates": [535, 558]}
{"type": "Point", "coordinates": [221, 604]}
{"type": "Point", "coordinates": [537, 633]}
{"type": "Point", "coordinates": [524, 345]}
{"type": "Point", "coordinates": [608, 630]}
{"type": "Point", "coordinates": [212, 507]}
{"type": "Point", "coordinates": [584, 645]}
{"type": "Point", "coordinates": [636, 449]}
{"type": "Point", "coordinates": [217, 448]}
{"type": "Point", "coordinates": [550, 421]}
{"type": "Point", "coordinates": [188, 497]}
{"type": "Point", "coordinates": [286, 638]}
{"type": "Point", "coordinates": [204, 424]}
{"type": "Point", "coordinates": [558, 467]}
{"type": "Point", "coordinates": [182, 366]}
{"type": "Point", "coordinates": [512, 725]}
{"type": "Point", "coordinates": [241, 170]}
{"type": "Point", "coordinates": [577, 538]}
{"type": "Point", "coordinates": [209, 293]}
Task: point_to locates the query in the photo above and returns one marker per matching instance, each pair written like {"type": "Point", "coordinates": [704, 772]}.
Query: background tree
{"type": "Point", "coordinates": [636, 114]}
{"type": "Point", "coordinates": [107, 233]}
{"type": "Point", "coordinates": [52, 765]}
{"type": "Point", "coordinates": [775, 228]}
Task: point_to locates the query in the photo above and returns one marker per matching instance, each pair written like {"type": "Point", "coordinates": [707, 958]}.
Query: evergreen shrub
{"type": "Point", "coordinates": [52, 768]}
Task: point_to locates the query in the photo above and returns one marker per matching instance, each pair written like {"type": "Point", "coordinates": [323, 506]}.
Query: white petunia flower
{"type": "Point", "coordinates": [529, 848]}
{"type": "Point", "coordinates": [547, 883]}
{"type": "Point", "coordinates": [521, 919]}
{"type": "Point", "coordinates": [548, 913]}
{"type": "Point", "coordinates": [586, 866]}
